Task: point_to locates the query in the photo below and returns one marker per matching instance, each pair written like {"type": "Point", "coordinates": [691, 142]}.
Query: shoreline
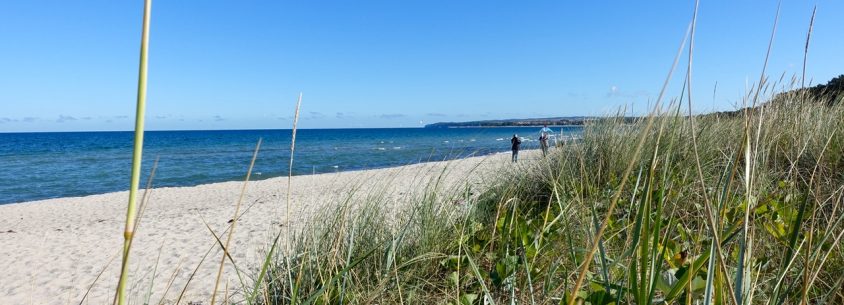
{"type": "Point", "coordinates": [55, 248]}
{"type": "Point", "coordinates": [143, 183]}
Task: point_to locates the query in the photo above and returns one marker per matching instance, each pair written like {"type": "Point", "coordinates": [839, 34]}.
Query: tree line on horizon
{"type": "Point", "coordinates": [830, 93]}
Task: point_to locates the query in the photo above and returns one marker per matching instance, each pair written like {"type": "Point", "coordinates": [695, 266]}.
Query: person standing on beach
{"type": "Point", "coordinates": [516, 142]}
{"type": "Point", "coordinates": [543, 139]}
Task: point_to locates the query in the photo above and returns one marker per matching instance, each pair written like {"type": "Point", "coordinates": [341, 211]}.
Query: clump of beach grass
{"type": "Point", "coordinates": [676, 236]}
{"type": "Point", "coordinates": [735, 208]}
{"type": "Point", "coordinates": [739, 208]}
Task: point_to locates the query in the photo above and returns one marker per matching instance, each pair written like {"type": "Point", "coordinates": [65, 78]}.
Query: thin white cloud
{"type": "Point", "coordinates": [615, 91]}
{"type": "Point", "coordinates": [391, 116]}
{"type": "Point", "coordinates": [65, 118]}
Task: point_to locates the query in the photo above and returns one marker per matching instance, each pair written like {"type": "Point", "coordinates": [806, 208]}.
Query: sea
{"type": "Point", "coordinates": [43, 165]}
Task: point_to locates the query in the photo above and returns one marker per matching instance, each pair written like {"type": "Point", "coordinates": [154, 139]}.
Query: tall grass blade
{"type": "Point", "coordinates": [234, 221]}
{"type": "Point", "coordinates": [154, 273]}
{"type": "Point", "coordinates": [88, 291]}
{"type": "Point", "coordinates": [487, 295]}
{"type": "Point", "coordinates": [806, 58]}
{"type": "Point", "coordinates": [287, 207]}
{"type": "Point", "coordinates": [743, 269]}
{"type": "Point", "coordinates": [594, 246]}
{"type": "Point", "coordinates": [137, 152]}
{"type": "Point", "coordinates": [226, 253]}
{"type": "Point", "coordinates": [170, 282]}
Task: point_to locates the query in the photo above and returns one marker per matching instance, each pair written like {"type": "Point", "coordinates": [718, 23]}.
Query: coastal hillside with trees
{"type": "Point", "coordinates": [830, 93]}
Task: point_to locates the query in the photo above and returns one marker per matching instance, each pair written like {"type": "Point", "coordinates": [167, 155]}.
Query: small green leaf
{"type": "Point", "coordinates": [468, 299]}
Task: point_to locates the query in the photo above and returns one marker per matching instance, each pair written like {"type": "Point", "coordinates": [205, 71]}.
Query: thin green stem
{"type": "Point", "coordinates": [137, 152]}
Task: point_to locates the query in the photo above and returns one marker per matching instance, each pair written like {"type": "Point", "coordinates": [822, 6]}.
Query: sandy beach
{"type": "Point", "coordinates": [53, 250]}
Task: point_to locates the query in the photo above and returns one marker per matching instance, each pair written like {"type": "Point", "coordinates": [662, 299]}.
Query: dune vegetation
{"type": "Point", "coordinates": [664, 209]}
{"type": "Point", "coordinates": [668, 209]}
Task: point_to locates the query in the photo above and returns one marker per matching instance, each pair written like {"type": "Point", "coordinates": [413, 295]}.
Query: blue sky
{"type": "Point", "coordinates": [72, 65]}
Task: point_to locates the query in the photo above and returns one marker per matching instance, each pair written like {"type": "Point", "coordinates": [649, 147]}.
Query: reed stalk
{"type": "Point", "coordinates": [266, 264]}
{"type": "Point", "coordinates": [287, 205]}
{"type": "Point", "coordinates": [137, 153]}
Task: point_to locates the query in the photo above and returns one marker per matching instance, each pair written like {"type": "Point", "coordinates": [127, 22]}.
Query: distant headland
{"type": "Point", "coordinates": [557, 121]}
{"type": "Point", "coordinates": [534, 122]}
{"type": "Point", "coordinates": [830, 93]}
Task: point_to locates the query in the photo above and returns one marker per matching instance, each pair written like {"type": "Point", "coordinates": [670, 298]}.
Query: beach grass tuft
{"type": "Point", "coordinates": [750, 212]}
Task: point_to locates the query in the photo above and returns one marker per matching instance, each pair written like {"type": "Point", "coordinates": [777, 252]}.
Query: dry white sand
{"type": "Point", "coordinates": [53, 250]}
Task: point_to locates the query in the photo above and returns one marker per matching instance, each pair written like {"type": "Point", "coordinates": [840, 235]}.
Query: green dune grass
{"type": "Point", "coordinates": [744, 208]}
{"type": "Point", "coordinates": [675, 237]}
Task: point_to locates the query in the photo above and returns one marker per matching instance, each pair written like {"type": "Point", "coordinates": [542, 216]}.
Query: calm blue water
{"type": "Point", "coordinates": [49, 165]}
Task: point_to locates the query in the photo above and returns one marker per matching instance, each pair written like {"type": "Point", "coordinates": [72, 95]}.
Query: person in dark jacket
{"type": "Point", "coordinates": [516, 142]}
